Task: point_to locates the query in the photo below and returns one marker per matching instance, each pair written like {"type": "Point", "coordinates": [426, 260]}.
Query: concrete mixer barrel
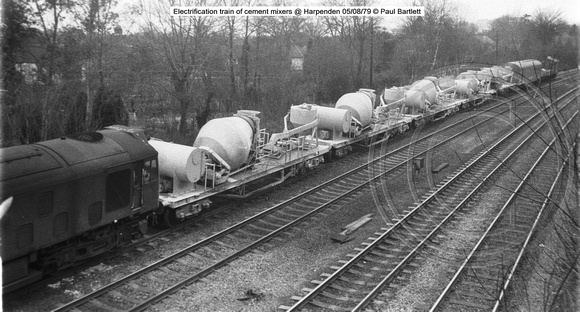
{"type": "Point", "coordinates": [360, 104]}
{"type": "Point", "coordinates": [184, 162]}
{"type": "Point", "coordinates": [231, 138]}
{"type": "Point", "coordinates": [466, 87]}
{"type": "Point", "coordinates": [426, 86]}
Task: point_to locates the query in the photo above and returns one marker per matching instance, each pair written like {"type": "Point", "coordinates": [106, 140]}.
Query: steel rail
{"type": "Point", "coordinates": [145, 304]}
{"type": "Point", "coordinates": [495, 221]}
{"type": "Point", "coordinates": [526, 243]}
{"type": "Point", "coordinates": [161, 234]}
{"type": "Point", "coordinates": [411, 255]}
{"type": "Point", "coordinates": [225, 232]}
{"type": "Point", "coordinates": [346, 266]}
{"type": "Point", "coordinates": [381, 285]}
{"type": "Point", "coordinates": [208, 240]}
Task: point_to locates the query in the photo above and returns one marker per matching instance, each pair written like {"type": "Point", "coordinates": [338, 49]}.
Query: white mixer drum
{"type": "Point", "coordinates": [415, 99]}
{"type": "Point", "coordinates": [446, 83]}
{"type": "Point", "coordinates": [426, 86]}
{"type": "Point", "coordinates": [466, 86]}
{"type": "Point", "coordinates": [393, 94]}
{"type": "Point", "coordinates": [230, 137]}
{"type": "Point", "coordinates": [360, 104]}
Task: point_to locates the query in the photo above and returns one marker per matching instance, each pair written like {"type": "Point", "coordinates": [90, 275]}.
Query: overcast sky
{"type": "Point", "coordinates": [478, 11]}
{"type": "Point", "coordinates": [490, 9]}
{"type": "Point", "coordinates": [475, 11]}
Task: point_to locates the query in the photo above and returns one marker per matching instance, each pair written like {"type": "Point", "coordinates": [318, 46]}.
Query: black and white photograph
{"type": "Point", "coordinates": [280, 155]}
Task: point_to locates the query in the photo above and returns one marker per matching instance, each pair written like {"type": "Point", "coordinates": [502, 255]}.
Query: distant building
{"type": "Point", "coordinates": [297, 56]}
{"type": "Point", "coordinates": [27, 58]}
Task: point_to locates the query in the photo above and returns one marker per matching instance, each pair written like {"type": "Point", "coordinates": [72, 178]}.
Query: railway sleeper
{"type": "Point", "coordinates": [314, 200]}
{"type": "Point", "coordinates": [389, 224]}
{"type": "Point", "coordinates": [277, 218]}
{"type": "Point", "coordinates": [484, 276]}
{"type": "Point", "coordinates": [414, 231]}
{"type": "Point", "coordinates": [438, 240]}
{"type": "Point", "coordinates": [466, 293]}
{"type": "Point", "coordinates": [419, 223]}
{"type": "Point", "coordinates": [359, 180]}
{"type": "Point", "coordinates": [507, 236]}
{"type": "Point", "coordinates": [181, 261]}
{"type": "Point", "coordinates": [326, 194]}
{"type": "Point", "coordinates": [390, 252]}
{"type": "Point", "coordinates": [299, 209]}
{"type": "Point", "coordinates": [474, 285]}
{"type": "Point", "coordinates": [520, 229]}
{"type": "Point", "coordinates": [387, 263]}
{"type": "Point", "coordinates": [371, 267]}
{"type": "Point", "coordinates": [101, 305]}
{"type": "Point", "coordinates": [214, 251]}
{"type": "Point", "coordinates": [429, 194]}
{"type": "Point", "coordinates": [358, 282]}
{"type": "Point", "coordinates": [171, 272]}
{"type": "Point", "coordinates": [504, 242]}
{"type": "Point", "coordinates": [249, 234]}
{"type": "Point", "coordinates": [290, 215]}
{"type": "Point", "coordinates": [123, 297]}
{"type": "Point", "coordinates": [259, 228]}
{"type": "Point", "coordinates": [360, 273]}
{"type": "Point", "coordinates": [408, 210]}
{"type": "Point", "coordinates": [141, 288]}
{"type": "Point", "coordinates": [338, 297]}
{"type": "Point", "coordinates": [225, 245]}
{"type": "Point", "coordinates": [437, 248]}
{"type": "Point", "coordinates": [327, 306]}
{"type": "Point", "coordinates": [156, 279]}
{"type": "Point", "coordinates": [379, 254]}
{"type": "Point", "coordinates": [389, 242]}
{"type": "Point", "coordinates": [468, 304]}
{"type": "Point", "coordinates": [200, 257]}
{"type": "Point", "coordinates": [343, 289]}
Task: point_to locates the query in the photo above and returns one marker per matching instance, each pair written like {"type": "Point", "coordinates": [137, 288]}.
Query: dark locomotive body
{"type": "Point", "coordinates": [73, 198]}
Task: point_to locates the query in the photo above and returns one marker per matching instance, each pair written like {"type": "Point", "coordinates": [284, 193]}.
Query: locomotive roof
{"type": "Point", "coordinates": [72, 157]}
{"type": "Point", "coordinates": [25, 159]}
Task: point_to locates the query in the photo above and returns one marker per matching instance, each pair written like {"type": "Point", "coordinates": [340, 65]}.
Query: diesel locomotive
{"type": "Point", "coordinates": [73, 198]}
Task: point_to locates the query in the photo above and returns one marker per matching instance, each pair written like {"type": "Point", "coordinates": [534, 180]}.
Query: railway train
{"type": "Point", "coordinates": [81, 195]}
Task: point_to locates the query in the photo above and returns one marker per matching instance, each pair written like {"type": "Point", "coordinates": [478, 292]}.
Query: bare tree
{"type": "Point", "coordinates": [230, 25]}
{"type": "Point", "coordinates": [97, 18]}
{"type": "Point", "coordinates": [355, 33]}
{"type": "Point", "coordinates": [183, 42]}
{"type": "Point", "coordinates": [546, 26]}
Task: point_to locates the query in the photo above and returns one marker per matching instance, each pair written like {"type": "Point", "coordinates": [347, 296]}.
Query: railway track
{"type": "Point", "coordinates": [223, 247]}
{"type": "Point", "coordinates": [134, 292]}
{"type": "Point", "coordinates": [392, 255]}
{"type": "Point", "coordinates": [480, 281]}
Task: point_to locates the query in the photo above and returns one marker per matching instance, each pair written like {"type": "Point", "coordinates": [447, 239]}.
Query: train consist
{"type": "Point", "coordinates": [79, 196]}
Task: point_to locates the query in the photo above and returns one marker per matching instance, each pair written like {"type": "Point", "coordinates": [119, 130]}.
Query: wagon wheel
{"type": "Point", "coordinates": [328, 157]}
{"type": "Point", "coordinates": [301, 168]}
{"type": "Point", "coordinates": [170, 218]}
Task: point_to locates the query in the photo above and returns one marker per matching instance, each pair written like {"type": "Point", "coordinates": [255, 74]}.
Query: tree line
{"type": "Point", "coordinates": [69, 67]}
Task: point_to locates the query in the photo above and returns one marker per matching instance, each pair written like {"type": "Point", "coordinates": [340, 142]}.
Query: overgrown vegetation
{"type": "Point", "coordinates": [66, 63]}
